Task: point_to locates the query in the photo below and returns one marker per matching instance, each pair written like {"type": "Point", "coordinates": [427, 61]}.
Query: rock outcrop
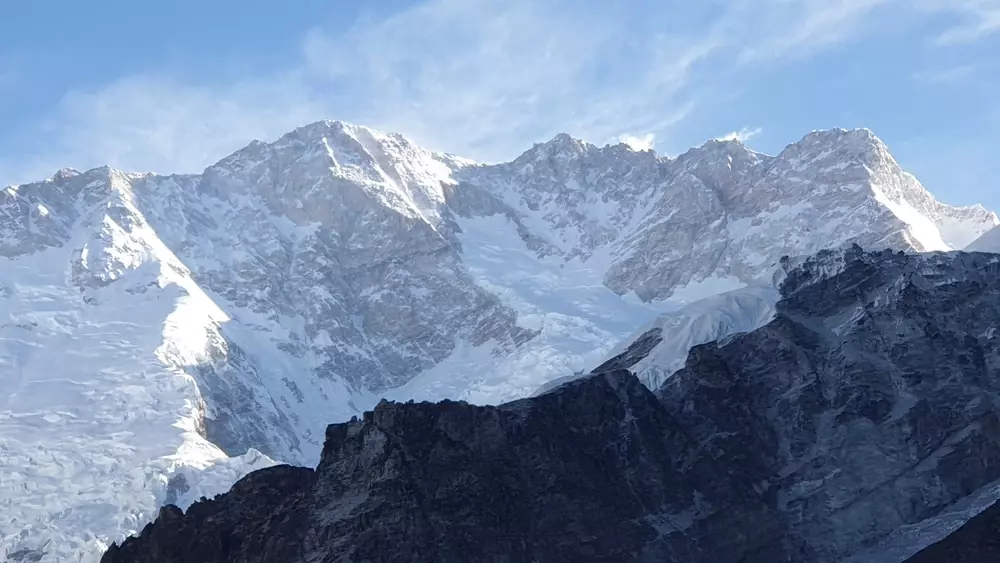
{"type": "Point", "coordinates": [977, 541]}
{"type": "Point", "coordinates": [866, 406]}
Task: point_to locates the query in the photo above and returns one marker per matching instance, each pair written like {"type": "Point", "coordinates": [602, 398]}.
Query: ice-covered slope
{"type": "Point", "coordinates": [100, 420]}
{"type": "Point", "coordinates": [829, 190]}
{"type": "Point", "coordinates": [989, 242]}
{"type": "Point", "coordinates": [180, 320]}
{"type": "Point", "coordinates": [706, 320]}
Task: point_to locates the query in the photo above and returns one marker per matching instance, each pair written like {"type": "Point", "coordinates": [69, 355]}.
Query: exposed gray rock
{"type": "Point", "coordinates": [870, 398]}
{"type": "Point", "coordinates": [295, 282]}
{"type": "Point", "coordinates": [584, 473]}
{"type": "Point", "coordinates": [867, 405]}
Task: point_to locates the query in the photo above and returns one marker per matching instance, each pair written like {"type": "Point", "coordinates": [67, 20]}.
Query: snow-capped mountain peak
{"type": "Point", "coordinates": [564, 142]}
{"type": "Point", "coordinates": [725, 145]}
{"type": "Point", "coordinates": [387, 167]}
{"type": "Point", "coordinates": [64, 173]}
{"type": "Point", "coordinates": [295, 281]}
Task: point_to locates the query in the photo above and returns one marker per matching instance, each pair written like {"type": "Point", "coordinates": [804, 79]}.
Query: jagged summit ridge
{"type": "Point", "coordinates": [298, 281]}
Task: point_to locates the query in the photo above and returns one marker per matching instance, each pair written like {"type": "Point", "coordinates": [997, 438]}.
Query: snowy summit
{"type": "Point", "coordinates": [160, 336]}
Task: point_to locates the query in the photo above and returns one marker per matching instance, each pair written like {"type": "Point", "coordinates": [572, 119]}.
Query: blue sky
{"type": "Point", "coordinates": [175, 86]}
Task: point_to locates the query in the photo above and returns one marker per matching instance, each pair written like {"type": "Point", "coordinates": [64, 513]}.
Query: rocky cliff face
{"type": "Point", "coordinates": [869, 396]}
{"type": "Point", "coordinates": [585, 473]}
{"type": "Point", "coordinates": [978, 540]}
{"type": "Point", "coordinates": [864, 409]}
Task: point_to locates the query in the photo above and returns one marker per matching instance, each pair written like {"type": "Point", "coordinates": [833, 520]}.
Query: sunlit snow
{"type": "Point", "coordinates": [116, 361]}
{"type": "Point", "coordinates": [579, 319]}
{"type": "Point", "coordinates": [96, 416]}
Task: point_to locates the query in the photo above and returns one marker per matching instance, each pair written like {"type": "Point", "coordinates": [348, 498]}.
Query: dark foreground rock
{"type": "Point", "coordinates": [588, 472]}
{"type": "Point", "coordinates": [868, 405]}
{"type": "Point", "coordinates": [978, 541]}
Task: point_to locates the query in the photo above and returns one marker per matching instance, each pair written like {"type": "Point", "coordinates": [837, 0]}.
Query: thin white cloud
{"type": "Point", "coordinates": [798, 28]}
{"type": "Point", "coordinates": [489, 77]}
{"type": "Point", "coordinates": [638, 143]}
{"type": "Point", "coordinates": [157, 124]}
{"type": "Point", "coordinates": [976, 19]}
{"type": "Point", "coordinates": [483, 79]}
{"type": "Point", "coordinates": [743, 135]}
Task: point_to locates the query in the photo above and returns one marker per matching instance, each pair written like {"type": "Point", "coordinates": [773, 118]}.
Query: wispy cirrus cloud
{"type": "Point", "coordinates": [488, 77]}
{"type": "Point", "coordinates": [976, 19]}
{"type": "Point", "coordinates": [799, 28]}
{"type": "Point", "coordinates": [180, 124]}
{"type": "Point", "coordinates": [483, 79]}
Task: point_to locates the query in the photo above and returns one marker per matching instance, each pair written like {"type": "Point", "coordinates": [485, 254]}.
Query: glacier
{"type": "Point", "coordinates": [161, 336]}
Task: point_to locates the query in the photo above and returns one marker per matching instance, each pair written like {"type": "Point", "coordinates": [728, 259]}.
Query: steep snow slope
{"type": "Point", "coordinates": [191, 318]}
{"type": "Point", "coordinates": [575, 319]}
{"type": "Point", "coordinates": [98, 415]}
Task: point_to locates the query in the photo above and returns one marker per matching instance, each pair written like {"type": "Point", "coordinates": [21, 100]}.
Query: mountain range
{"type": "Point", "coordinates": [161, 336]}
{"type": "Point", "coordinates": [856, 426]}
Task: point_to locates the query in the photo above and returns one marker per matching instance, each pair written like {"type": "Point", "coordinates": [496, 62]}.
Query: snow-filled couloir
{"type": "Point", "coordinates": [162, 335]}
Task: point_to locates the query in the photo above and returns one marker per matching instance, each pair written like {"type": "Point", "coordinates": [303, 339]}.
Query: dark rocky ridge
{"type": "Point", "coordinates": [978, 540]}
{"type": "Point", "coordinates": [868, 404]}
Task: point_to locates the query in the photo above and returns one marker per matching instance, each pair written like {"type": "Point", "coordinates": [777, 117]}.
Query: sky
{"type": "Point", "coordinates": [175, 86]}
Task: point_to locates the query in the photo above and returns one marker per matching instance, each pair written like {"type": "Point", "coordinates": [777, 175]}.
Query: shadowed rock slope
{"type": "Point", "coordinates": [978, 540]}
{"type": "Point", "coordinates": [867, 406]}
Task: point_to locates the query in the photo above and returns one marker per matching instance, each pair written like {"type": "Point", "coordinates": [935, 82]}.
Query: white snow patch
{"type": "Point", "coordinates": [713, 285]}
{"type": "Point", "coordinates": [922, 229]}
